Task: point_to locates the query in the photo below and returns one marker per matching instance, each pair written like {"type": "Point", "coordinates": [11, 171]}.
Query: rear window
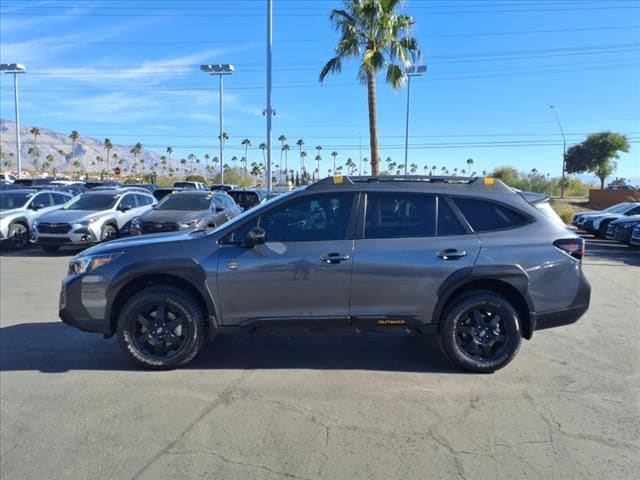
{"type": "Point", "coordinates": [485, 216]}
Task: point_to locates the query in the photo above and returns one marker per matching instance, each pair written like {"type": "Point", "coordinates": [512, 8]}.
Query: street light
{"type": "Point", "coordinates": [564, 149]}
{"type": "Point", "coordinates": [221, 70]}
{"type": "Point", "coordinates": [15, 68]}
{"type": "Point", "coordinates": [410, 71]}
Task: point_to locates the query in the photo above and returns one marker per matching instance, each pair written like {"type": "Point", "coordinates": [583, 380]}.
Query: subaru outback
{"type": "Point", "coordinates": [473, 261]}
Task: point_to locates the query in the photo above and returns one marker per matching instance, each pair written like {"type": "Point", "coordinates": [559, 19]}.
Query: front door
{"type": "Point", "coordinates": [411, 243]}
{"type": "Point", "coordinates": [302, 274]}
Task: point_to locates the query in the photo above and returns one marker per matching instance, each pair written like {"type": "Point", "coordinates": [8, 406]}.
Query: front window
{"type": "Point", "coordinates": [93, 201]}
{"type": "Point", "coordinates": [185, 202]}
{"type": "Point", "coordinates": [10, 200]}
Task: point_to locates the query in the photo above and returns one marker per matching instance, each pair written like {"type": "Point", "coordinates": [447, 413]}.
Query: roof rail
{"type": "Point", "coordinates": [472, 182]}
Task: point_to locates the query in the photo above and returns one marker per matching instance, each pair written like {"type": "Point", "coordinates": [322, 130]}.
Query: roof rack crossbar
{"type": "Point", "coordinates": [476, 182]}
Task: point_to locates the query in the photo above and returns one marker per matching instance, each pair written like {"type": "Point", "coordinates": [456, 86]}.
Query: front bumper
{"type": "Point", "coordinates": [78, 237]}
{"type": "Point", "coordinates": [83, 300]}
{"type": "Point", "coordinates": [570, 314]}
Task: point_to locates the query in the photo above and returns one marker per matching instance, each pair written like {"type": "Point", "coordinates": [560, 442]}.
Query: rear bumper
{"type": "Point", "coordinates": [569, 315]}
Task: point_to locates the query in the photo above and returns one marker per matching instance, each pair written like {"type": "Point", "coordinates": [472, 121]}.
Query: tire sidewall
{"type": "Point", "coordinates": [12, 235]}
{"type": "Point", "coordinates": [103, 237]}
{"type": "Point", "coordinates": [456, 313]}
{"type": "Point", "coordinates": [175, 300]}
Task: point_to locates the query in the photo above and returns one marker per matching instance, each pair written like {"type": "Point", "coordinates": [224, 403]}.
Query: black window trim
{"type": "Point", "coordinates": [351, 225]}
{"type": "Point", "coordinates": [527, 216]}
{"type": "Point", "coordinates": [362, 214]}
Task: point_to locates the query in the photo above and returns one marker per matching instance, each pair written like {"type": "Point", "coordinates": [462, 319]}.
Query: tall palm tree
{"type": "Point", "coordinates": [285, 149]}
{"type": "Point", "coordinates": [413, 168]}
{"type": "Point", "coordinates": [225, 137]}
{"type": "Point", "coordinates": [300, 144]}
{"type": "Point", "coordinates": [75, 165]}
{"type": "Point", "coordinates": [281, 139]}
{"type": "Point", "coordinates": [318, 159]}
{"type": "Point", "coordinates": [163, 162]}
{"type": "Point", "coordinates": [49, 161]}
{"type": "Point", "coordinates": [263, 147]}
{"type": "Point", "coordinates": [234, 159]}
{"type": "Point", "coordinates": [74, 136]}
{"type": "Point", "coordinates": [191, 158]}
{"type": "Point", "coordinates": [183, 162]}
{"type": "Point", "coordinates": [433, 169]}
{"type": "Point", "coordinates": [207, 157]}
{"type": "Point", "coordinates": [303, 155]}
{"type": "Point", "coordinates": [379, 36]}
{"type": "Point", "coordinates": [247, 143]}
{"type": "Point", "coordinates": [318, 148]}
{"type": "Point", "coordinates": [108, 146]}
{"type": "Point", "coordinates": [35, 131]}
{"type": "Point", "coordinates": [33, 152]}
{"type": "Point", "coordinates": [169, 152]}
{"type": "Point", "coordinates": [137, 150]}
{"type": "Point", "coordinates": [469, 163]}
{"type": "Point", "coordinates": [334, 155]}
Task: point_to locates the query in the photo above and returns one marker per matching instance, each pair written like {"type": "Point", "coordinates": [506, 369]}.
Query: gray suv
{"type": "Point", "coordinates": [472, 261]}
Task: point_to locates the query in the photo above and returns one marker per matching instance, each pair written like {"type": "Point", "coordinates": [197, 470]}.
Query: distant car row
{"type": "Point", "coordinates": [619, 222]}
{"type": "Point", "coordinates": [53, 218]}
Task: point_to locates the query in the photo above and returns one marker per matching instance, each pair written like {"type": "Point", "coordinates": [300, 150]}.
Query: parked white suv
{"type": "Point", "coordinates": [91, 218]}
{"type": "Point", "coordinates": [20, 208]}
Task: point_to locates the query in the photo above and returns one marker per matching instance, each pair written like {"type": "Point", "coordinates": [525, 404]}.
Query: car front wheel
{"type": "Point", "coordinates": [18, 235]}
{"type": "Point", "coordinates": [481, 332]}
{"type": "Point", "coordinates": [161, 328]}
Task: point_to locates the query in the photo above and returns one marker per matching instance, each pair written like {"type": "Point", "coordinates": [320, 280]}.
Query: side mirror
{"type": "Point", "coordinates": [124, 208]}
{"type": "Point", "coordinates": [36, 206]}
{"type": "Point", "coordinates": [219, 209]}
{"type": "Point", "coordinates": [255, 236]}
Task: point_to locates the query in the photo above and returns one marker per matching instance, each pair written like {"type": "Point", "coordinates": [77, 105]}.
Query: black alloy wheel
{"type": "Point", "coordinates": [161, 327]}
{"type": "Point", "coordinates": [480, 331]}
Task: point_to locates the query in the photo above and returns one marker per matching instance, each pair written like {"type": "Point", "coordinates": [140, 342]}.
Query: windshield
{"type": "Point", "coordinates": [186, 201]}
{"type": "Point", "coordinates": [92, 201]}
{"type": "Point", "coordinates": [9, 200]}
{"type": "Point", "coordinates": [617, 208]}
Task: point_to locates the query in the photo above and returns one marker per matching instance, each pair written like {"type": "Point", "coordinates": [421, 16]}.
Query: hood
{"type": "Point", "coordinates": [72, 216]}
{"type": "Point", "coordinates": [179, 216]}
{"type": "Point", "coordinates": [143, 241]}
{"type": "Point", "coordinates": [13, 211]}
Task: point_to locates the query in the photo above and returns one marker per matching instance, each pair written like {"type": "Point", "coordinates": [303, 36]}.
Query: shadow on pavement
{"type": "Point", "coordinates": [35, 252]}
{"type": "Point", "coordinates": [611, 250]}
{"type": "Point", "coordinates": [56, 348]}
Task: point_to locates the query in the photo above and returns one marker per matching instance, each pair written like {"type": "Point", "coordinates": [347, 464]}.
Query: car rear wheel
{"type": "Point", "coordinates": [481, 332]}
{"type": "Point", "coordinates": [18, 235]}
{"type": "Point", "coordinates": [161, 328]}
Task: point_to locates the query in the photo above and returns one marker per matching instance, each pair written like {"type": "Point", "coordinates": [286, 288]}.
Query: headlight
{"type": "Point", "coordinates": [190, 224]}
{"type": "Point", "coordinates": [86, 223]}
{"type": "Point", "coordinates": [79, 265]}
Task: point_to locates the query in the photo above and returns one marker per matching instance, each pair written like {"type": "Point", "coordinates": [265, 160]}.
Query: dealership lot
{"type": "Point", "coordinates": [271, 406]}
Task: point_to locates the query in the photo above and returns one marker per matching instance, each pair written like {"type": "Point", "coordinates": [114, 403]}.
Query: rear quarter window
{"type": "Point", "coordinates": [484, 216]}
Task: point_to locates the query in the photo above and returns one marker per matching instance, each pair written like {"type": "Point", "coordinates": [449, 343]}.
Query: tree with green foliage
{"type": "Point", "coordinates": [597, 154]}
{"type": "Point", "coordinates": [374, 32]}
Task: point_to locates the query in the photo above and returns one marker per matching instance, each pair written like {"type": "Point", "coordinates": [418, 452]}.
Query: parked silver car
{"type": "Point", "coordinates": [90, 218]}
{"type": "Point", "coordinates": [20, 208]}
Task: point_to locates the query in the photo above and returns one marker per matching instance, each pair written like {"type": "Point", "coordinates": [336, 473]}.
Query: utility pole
{"type": "Point", "coordinates": [410, 71]}
{"type": "Point", "coordinates": [564, 150]}
{"type": "Point", "coordinates": [269, 111]}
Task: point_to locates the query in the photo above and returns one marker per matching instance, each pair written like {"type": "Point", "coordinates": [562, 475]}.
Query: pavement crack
{"type": "Point", "coordinates": [234, 462]}
{"type": "Point", "coordinates": [223, 398]}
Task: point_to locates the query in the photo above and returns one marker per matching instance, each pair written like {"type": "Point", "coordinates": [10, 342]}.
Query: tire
{"type": "Point", "coordinates": [18, 235]}
{"type": "Point", "coordinates": [50, 248]}
{"type": "Point", "coordinates": [602, 231]}
{"type": "Point", "coordinates": [158, 341]}
{"type": "Point", "coordinates": [108, 232]}
{"type": "Point", "coordinates": [480, 332]}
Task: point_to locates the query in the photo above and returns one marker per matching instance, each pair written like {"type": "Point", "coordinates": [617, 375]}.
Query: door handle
{"type": "Point", "coordinates": [451, 254]}
{"type": "Point", "coordinates": [334, 258]}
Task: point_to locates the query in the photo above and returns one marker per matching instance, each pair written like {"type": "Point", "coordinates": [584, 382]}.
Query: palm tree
{"type": "Point", "coordinates": [49, 161]}
{"type": "Point", "coordinates": [334, 155]}
{"type": "Point", "coordinates": [300, 143]}
{"type": "Point", "coordinates": [247, 143]}
{"type": "Point", "coordinates": [318, 159]}
{"type": "Point", "coordinates": [191, 158]}
{"type": "Point", "coordinates": [413, 168]}
{"type": "Point", "coordinates": [373, 31]}
{"type": "Point", "coordinates": [215, 160]}
{"type": "Point", "coordinates": [74, 136]}
{"type": "Point", "coordinates": [281, 139]}
{"type": "Point", "coordinates": [469, 163]}
{"type": "Point", "coordinates": [163, 162]}
{"type": "Point", "coordinates": [33, 152]}
{"type": "Point", "coordinates": [444, 170]}
{"type": "Point", "coordinates": [285, 149]}
{"type": "Point", "coordinates": [303, 155]}
{"type": "Point", "coordinates": [108, 146]}
{"type": "Point", "coordinates": [169, 152]}
{"type": "Point", "coordinates": [35, 131]}
{"type": "Point", "coordinates": [225, 137]}
{"type": "Point", "coordinates": [433, 169]}
{"type": "Point", "coordinates": [136, 150]}
{"type": "Point", "coordinates": [183, 162]}
{"type": "Point", "coordinates": [234, 159]}
{"type": "Point", "coordinates": [75, 165]}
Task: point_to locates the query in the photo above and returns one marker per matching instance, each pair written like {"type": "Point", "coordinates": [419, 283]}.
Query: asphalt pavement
{"type": "Point", "coordinates": [319, 406]}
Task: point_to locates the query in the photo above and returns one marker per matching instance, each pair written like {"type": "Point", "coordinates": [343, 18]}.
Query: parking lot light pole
{"type": "Point", "coordinates": [410, 71]}
{"type": "Point", "coordinates": [15, 69]}
{"type": "Point", "coordinates": [564, 149]}
{"type": "Point", "coordinates": [220, 70]}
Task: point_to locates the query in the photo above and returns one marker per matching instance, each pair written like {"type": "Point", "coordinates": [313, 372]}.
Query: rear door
{"type": "Point", "coordinates": [411, 243]}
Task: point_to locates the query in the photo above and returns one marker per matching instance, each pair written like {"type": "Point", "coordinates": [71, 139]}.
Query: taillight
{"type": "Point", "coordinates": [573, 246]}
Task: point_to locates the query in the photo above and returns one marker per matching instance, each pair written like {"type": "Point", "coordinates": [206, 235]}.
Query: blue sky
{"type": "Point", "coordinates": [130, 71]}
